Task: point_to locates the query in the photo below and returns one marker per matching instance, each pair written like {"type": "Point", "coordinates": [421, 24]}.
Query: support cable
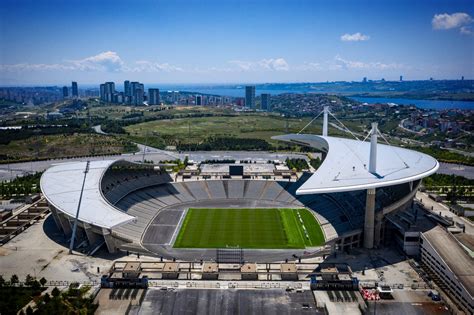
{"type": "Point", "coordinates": [345, 128]}
{"type": "Point", "coordinates": [355, 154]}
{"type": "Point", "coordinates": [74, 228]}
{"type": "Point", "coordinates": [391, 147]}
{"type": "Point", "coordinates": [310, 123]}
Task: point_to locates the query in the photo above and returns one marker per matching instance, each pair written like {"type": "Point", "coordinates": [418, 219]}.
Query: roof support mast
{"type": "Point", "coordinates": [373, 149]}
{"type": "Point", "coordinates": [369, 223]}
{"type": "Point", "coordinates": [325, 121]}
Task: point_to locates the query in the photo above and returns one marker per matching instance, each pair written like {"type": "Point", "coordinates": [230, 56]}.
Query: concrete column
{"type": "Point", "coordinates": [369, 219]}
{"type": "Point", "coordinates": [54, 214]}
{"type": "Point", "coordinates": [65, 224]}
{"type": "Point", "coordinates": [91, 236]}
{"type": "Point", "coordinates": [109, 241]}
{"type": "Point", "coordinates": [325, 121]}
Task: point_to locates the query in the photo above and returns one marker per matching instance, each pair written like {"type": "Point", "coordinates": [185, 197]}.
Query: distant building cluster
{"type": "Point", "coordinates": [133, 93]}
{"type": "Point", "coordinates": [251, 100]}
{"type": "Point", "coordinates": [451, 122]}
{"type": "Point", "coordinates": [303, 104]}
{"type": "Point", "coordinates": [74, 92]}
{"type": "Point", "coordinates": [44, 95]}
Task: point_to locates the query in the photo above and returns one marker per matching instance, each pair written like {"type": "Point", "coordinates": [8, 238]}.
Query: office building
{"type": "Point", "coordinates": [401, 78]}
{"type": "Point", "coordinates": [138, 94]}
{"type": "Point", "coordinates": [199, 100]}
{"type": "Point", "coordinates": [126, 88]}
{"type": "Point", "coordinates": [250, 96]}
{"type": "Point", "coordinates": [107, 92]}
{"type": "Point", "coordinates": [364, 80]}
{"type": "Point", "coordinates": [102, 92]}
{"type": "Point", "coordinates": [65, 92]}
{"type": "Point", "coordinates": [74, 90]}
{"type": "Point", "coordinates": [153, 96]}
{"type": "Point", "coordinates": [266, 102]}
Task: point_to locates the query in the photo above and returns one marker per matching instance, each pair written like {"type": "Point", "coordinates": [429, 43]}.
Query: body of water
{"type": "Point", "coordinates": [426, 104]}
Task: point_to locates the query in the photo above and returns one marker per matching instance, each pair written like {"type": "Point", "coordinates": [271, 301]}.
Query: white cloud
{"type": "Point", "coordinates": [272, 64]}
{"type": "Point", "coordinates": [278, 64]}
{"type": "Point", "coordinates": [149, 66]}
{"type": "Point", "coordinates": [309, 66]}
{"type": "Point", "coordinates": [106, 61]}
{"type": "Point", "coordinates": [447, 21]}
{"type": "Point", "coordinates": [19, 67]}
{"type": "Point", "coordinates": [356, 37]}
{"type": "Point", "coordinates": [466, 30]}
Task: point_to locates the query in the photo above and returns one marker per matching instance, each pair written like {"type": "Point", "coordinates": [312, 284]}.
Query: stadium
{"type": "Point", "coordinates": [143, 208]}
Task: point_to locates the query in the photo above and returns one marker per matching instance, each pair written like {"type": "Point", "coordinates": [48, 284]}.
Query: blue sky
{"type": "Point", "coordinates": [54, 42]}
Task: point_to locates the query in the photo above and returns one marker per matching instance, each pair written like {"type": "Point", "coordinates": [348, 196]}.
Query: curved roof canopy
{"type": "Point", "coordinates": [61, 185]}
{"type": "Point", "coordinates": [345, 167]}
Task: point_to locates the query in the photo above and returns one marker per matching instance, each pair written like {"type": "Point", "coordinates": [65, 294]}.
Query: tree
{"type": "Point", "coordinates": [55, 292]}
{"type": "Point", "coordinates": [29, 310]}
{"type": "Point", "coordinates": [2, 281]}
{"type": "Point", "coordinates": [14, 279]}
{"type": "Point", "coordinates": [43, 281]}
{"type": "Point", "coordinates": [46, 298]}
{"type": "Point", "coordinates": [29, 280]}
{"type": "Point", "coordinates": [35, 285]}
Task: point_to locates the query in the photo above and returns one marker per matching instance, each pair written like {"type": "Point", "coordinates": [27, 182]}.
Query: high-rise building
{"type": "Point", "coordinates": [364, 80]}
{"type": "Point", "coordinates": [250, 96]}
{"type": "Point", "coordinates": [199, 100]}
{"type": "Point", "coordinates": [126, 88]}
{"type": "Point", "coordinates": [401, 78]}
{"type": "Point", "coordinates": [175, 97]}
{"type": "Point", "coordinates": [65, 92]}
{"type": "Point", "coordinates": [74, 90]}
{"type": "Point", "coordinates": [153, 96]}
{"type": "Point", "coordinates": [102, 92]}
{"type": "Point", "coordinates": [266, 102]}
{"type": "Point", "coordinates": [138, 94]}
{"type": "Point", "coordinates": [107, 92]}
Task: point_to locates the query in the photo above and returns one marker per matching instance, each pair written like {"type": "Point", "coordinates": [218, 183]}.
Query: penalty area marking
{"type": "Point", "coordinates": [178, 227]}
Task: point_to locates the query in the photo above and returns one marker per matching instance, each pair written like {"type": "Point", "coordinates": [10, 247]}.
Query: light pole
{"type": "Point", "coordinates": [73, 236]}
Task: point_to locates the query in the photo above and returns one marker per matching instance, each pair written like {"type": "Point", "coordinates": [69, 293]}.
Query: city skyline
{"type": "Point", "coordinates": [234, 42]}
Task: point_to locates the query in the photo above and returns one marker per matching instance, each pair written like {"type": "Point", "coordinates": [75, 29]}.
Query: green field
{"type": "Point", "coordinates": [248, 228]}
{"type": "Point", "coordinates": [63, 145]}
{"type": "Point", "coordinates": [241, 126]}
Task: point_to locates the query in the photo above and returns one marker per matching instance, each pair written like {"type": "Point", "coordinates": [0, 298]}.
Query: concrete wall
{"type": "Point", "coordinates": [430, 258]}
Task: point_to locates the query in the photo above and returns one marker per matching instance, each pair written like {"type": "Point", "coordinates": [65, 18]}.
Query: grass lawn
{"type": "Point", "coordinates": [248, 228]}
{"type": "Point", "coordinates": [58, 146]}
{"type": "Point", "coordinates": [197, 129]}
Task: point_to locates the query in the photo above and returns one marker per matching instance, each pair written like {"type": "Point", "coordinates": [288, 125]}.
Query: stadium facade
{"type": "Point", "coordinates": [139, 207]}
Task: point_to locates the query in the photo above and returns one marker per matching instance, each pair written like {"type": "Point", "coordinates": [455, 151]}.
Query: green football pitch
{"type": "Point", "coordinates": [249, 228]}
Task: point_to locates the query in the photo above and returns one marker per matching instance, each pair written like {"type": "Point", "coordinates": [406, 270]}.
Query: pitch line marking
{"type": "Point", "coordinates": [178, 227]}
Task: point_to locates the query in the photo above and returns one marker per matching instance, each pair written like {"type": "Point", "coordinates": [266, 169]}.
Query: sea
{"type": "Point", "coordinates": [425, 104]}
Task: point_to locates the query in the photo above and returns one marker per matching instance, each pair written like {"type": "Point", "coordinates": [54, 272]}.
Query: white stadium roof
{"type": "Point", "coordinates": [61, 185]}
{"type": "Point", "coordinates": [345, 167]}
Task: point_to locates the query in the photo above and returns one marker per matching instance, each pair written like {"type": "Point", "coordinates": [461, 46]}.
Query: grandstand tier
{"type": "Point", "coordinates": [137, 207]}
